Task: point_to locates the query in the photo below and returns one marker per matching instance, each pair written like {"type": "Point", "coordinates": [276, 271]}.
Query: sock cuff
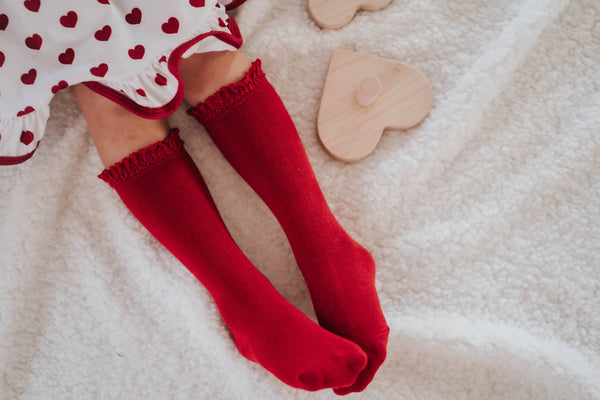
{"type": "Point", "coordinates": [142, 159]}
{"type": "Point", "coordinates": [217, 103]}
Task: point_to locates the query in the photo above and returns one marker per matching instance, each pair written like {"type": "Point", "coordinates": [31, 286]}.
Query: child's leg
{"type": "Point", "coordinates": [116, 131]}
{"type": "Point", "coordinates": [250, 125]}
{"type": "Point", "coordinates": [203, 74]}
{"type": "Point", "coordinates": [164, 190]}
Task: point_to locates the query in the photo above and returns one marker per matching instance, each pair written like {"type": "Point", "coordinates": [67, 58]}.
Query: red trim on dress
{"type": "Point", "coordinates": [7, 160]}
{"type": "Point", "coordinates": [234, 4]}
{"type": "Point", "coordinates": [234, 39]}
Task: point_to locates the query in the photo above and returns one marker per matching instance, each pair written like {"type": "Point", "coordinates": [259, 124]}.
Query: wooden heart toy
{"type": "Point", "coordinates": [333, 14]}
{"type": "Point", "coordinates": [364, 95]}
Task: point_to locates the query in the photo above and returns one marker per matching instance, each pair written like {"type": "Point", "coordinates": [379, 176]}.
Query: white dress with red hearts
{"type": "Point", "coordinates": [126, 50]}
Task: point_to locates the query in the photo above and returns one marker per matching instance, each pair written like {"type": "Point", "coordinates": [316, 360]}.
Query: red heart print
{"type": "Point", "coordinates": [26, 137]}
{"type": "Point", "coordinates": [137, 52]}
{"type": "Point", "coordinates": [29, 77]}
{"type": "Point", "coordinates": [103, 34]}
{"type": "Point", "coordinates": [163, 59]}
{"type": "Point", "coordinates": [34, 41]}
{"type": "Point", "coordinates": [67, 57]}
{"type": "Point", "coordinates": [100, 70]}
{"type": "Point", "coordinates": [134, 17]}
{"type": "Point", "coordinates": [2, 58]}
{"type": "Point", "coordinates": [160, 80]}
{"type": "Point", "coordinates": [171, 26]}
{"type": "Point", "coordinates": [103, 2]}
{"type": "Point", "coordinates": [32, 5]}
{"type": "Point", "coordinates": [26, 111]}
{"type": "Point", "coordinates": [222, 23]}
{"type": "Point", "coordinates": [69, 20]}
{"type": "Point", "coordinates": [197, 3]}
{"type": "Point", "coordinates": [218, 5]}
{"type": "Point", "coordinates": [60, 85]}
{"type": "Point", "coordinates": [3, 21]}
{"type": "Point", "coordinates": [141, 92]}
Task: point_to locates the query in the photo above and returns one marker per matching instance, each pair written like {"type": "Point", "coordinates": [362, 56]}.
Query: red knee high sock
{"type": "Point", "coordinates": [250, 125]}
{"type": "Point", "coordinates": [165, 191]}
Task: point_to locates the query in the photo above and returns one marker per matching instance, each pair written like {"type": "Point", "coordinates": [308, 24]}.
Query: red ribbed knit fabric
{"type": "Point", "coordinates": [165, 191]}
{"type": "Point", "coordinates": [250, 125]}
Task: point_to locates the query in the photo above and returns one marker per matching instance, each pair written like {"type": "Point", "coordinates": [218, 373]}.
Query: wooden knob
{"type": "Point", "coordinates": [368, 91]}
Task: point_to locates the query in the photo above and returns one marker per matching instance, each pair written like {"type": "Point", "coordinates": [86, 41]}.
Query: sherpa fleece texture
{"type": "Point", "coordinates": [483, 222]}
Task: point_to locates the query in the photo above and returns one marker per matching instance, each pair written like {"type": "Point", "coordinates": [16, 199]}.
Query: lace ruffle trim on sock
{"type": "Point", "coordinates": [217, 103]}
{"type": "Point", "coordinates": [142, 159]}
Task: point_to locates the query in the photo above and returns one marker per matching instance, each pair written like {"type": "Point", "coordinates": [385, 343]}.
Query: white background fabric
{"type": "Point", "coordinates": [484, 223]}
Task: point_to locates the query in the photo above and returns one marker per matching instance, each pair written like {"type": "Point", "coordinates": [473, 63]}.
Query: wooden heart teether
{"type": "Point", "coordinates": [364, 95]}
{"type": "Point", "coordinates": [333, 14]}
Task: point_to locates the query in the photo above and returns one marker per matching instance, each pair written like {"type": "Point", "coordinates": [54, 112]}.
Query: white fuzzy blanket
{"type": "Point", "coordinates": [484, 222]}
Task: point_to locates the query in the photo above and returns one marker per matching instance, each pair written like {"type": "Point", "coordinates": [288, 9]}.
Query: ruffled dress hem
{"type": "Point", "coordinates": [233, 39]}
{"type": "Point", "coordinates": [20, 142]}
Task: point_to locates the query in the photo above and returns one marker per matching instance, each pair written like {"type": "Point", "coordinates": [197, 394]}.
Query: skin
{"type": "Point", "coordinates": [122, 132]}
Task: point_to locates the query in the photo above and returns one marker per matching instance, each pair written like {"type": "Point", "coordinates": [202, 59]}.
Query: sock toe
{"type": "Point", "coordinates": [340, 370]}
{"type": "Point", "coordinates": [376, 353]}
{"type": "Point", "coordinates": [356, 364]}
{"type": "Point", "coordinates": [311, 380]}
{"type": "Point", "coordinates": [350, 369]}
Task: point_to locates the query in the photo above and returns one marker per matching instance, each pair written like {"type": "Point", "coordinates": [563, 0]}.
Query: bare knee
{"type": "Point", "coordinates": [204, 73]}
{"type": "Point", "coordinates": [116, 131]}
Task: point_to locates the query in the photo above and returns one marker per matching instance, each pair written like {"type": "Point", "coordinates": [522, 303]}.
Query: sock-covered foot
{"type": "Point", "coordinates": [250, 125]}
{"type": "Point", "coordinates": [165, 191]}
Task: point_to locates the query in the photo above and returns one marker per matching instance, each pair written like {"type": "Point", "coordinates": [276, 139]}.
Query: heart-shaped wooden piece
{"type": "Point", "coordinates": [364, 95]}
{"type": "Point", "coordinates": [333, 14]}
